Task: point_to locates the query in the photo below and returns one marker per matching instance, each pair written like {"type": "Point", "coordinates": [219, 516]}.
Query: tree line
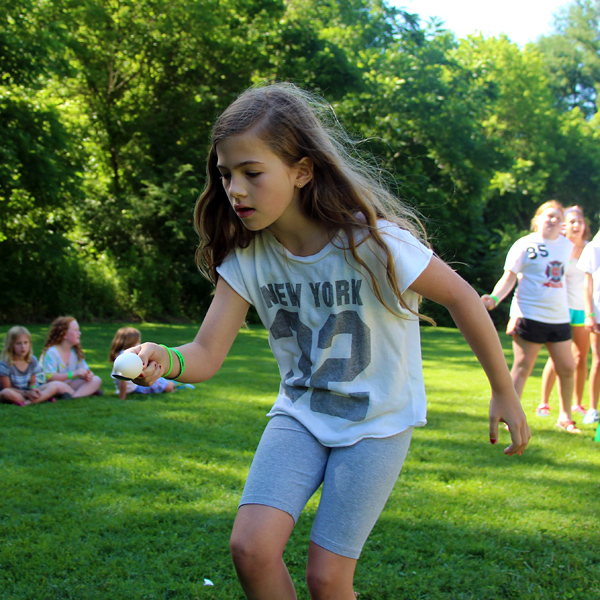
{"type": "Point", "coordinates": [106, 108]}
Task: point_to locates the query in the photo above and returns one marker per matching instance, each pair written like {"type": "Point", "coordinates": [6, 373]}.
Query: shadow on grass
{"type": "Point", "coordinates": [435, 556]}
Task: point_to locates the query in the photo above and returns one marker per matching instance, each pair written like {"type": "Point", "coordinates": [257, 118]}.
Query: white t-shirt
{"type": "Point", "coordinates": [540, 266]}
{"type": "Point", "coordinates": [349, 368]}
{"type": "Point", "coordinates": [589, 262]}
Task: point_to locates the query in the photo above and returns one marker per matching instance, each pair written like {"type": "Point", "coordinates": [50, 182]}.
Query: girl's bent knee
{"type": "Point", "coordinates": [566, 371]}
{"type": "Point", "coordinates": [318, 581]}
{"type": "Point", "coordinates": [250, 556]}
{"type": "Point", "coordinates": [324, 583]}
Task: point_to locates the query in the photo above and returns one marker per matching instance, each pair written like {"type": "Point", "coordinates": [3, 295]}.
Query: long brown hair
{"type": "Point", "coordinates": [343, 193]}
{"type": "Point", "coordinates": [57, 333]}
{"type": "Point", "coordinates": [126, 337]}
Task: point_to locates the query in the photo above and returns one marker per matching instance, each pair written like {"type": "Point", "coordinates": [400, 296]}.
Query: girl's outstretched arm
{"type": "Point", "coordinates": [442, 285]}
{"type": "Point", "coordinates": [204, 356]}
{"type": "Point", "coordinates": [505, 284]}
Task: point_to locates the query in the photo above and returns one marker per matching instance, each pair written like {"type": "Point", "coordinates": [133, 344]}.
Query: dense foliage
{"type": "Point", "coordinates": [106, 108]}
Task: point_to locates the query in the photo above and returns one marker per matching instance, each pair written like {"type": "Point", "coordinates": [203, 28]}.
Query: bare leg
{"type": "Point", "coordinates": [258, 540]}
{"type": "Point", "coordinates": [329, 576]}
{"type": "Point", "coordinates": [580, 349]}
{"type": "Point", "coordinates": [63, 388]}
{"type": "Point", "coordinates": [548, 381]}
{"type": "Point", "coordinates": [86, 388]}
{"type": "Point", "coordinates": [595, 371]}
{"type": "Point", "coordinates": [564, 363]}
{"type": "Point", "coordinates": [525, 354]}
{"type": "Point", "coordinates": [12, 396]}
{"type": "Point", "coordinates": [46, 392]}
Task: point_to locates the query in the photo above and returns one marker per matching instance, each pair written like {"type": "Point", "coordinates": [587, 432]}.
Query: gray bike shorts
{"type": "Point", "coordinates": [290, 464]}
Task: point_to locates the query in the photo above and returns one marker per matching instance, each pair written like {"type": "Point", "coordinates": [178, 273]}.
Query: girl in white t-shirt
{"type": "Point", "coordinates": [589, 264]}
{"type": "Point", "coordinates": [576, 231]}
{"type": "Point", "coordinates": [289, 223]}
{"type": "Point", "coordinates": [537, 264]}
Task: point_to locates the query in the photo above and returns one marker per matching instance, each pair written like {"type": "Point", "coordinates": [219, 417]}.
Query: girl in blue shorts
{"type": "Point", "coordinates": [334, 266]}
{"type": "Point", "coordinates": [576, 231]}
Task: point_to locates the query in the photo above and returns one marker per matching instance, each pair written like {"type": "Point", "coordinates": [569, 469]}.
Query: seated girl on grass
{"type": "Point", "coordinates": [63, 360]}
{"type": "Point", "coordinates": [19, 370]}
{"type": "Point", "coordinates": [127, 337]}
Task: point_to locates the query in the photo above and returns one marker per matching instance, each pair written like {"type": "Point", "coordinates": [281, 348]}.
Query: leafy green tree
{"type": "Point", "coordinates": [579, 182]}
{"type": "Point", "coordinates": [106, 108]}
{"type": "Point", "coordinates": [150, 77]}
{"type": "Point", "coordinates": [519, 121]}
{"type": "Point", "coordinates": [38, 169]}
{"type": "Point", "coordinates": [39, 164]}
{"type": "Point", "coordinates": [572, 56]}
{"type": "Point", "coordinates": [320, 43]}
{"type": "Point", "coordinates": [30, 43]}
{"type": "Point", "coordinates": [470, 133]}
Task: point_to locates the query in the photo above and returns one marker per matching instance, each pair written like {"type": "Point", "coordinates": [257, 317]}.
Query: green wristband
{"type": "Point", "coordinates": [70, 375]}
{"type": "Point", "coordinates": [170, 360]}
{"type": "Point", "coordinates": [181, 361]}
{"type": "Point", "coordinates": [590, 315]}
{"type": "Point", "coordinates": [495, 298]}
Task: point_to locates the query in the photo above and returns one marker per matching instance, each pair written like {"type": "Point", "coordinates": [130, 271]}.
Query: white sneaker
{"type": "Point", "coordinates": [591, 416]}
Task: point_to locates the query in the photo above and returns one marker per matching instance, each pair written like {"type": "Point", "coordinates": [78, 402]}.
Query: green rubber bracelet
{"type": "Point", "coordinates": [495, 298]}
{"type": "Point", "coordinates": [170, 360]}
{"type": "Point", "coordinates": [181, 361]}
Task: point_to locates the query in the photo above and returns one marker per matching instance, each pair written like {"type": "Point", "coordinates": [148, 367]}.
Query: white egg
{"type": "Point", "coordinates": [128, 366]}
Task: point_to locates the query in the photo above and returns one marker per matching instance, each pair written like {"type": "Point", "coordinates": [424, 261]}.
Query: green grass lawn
{"type": "Point", "coordinates": [103, 499]}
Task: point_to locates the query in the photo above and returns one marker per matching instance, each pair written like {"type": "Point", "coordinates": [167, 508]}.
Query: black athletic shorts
{"type": "Point", "coordinates": [542, 333]}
